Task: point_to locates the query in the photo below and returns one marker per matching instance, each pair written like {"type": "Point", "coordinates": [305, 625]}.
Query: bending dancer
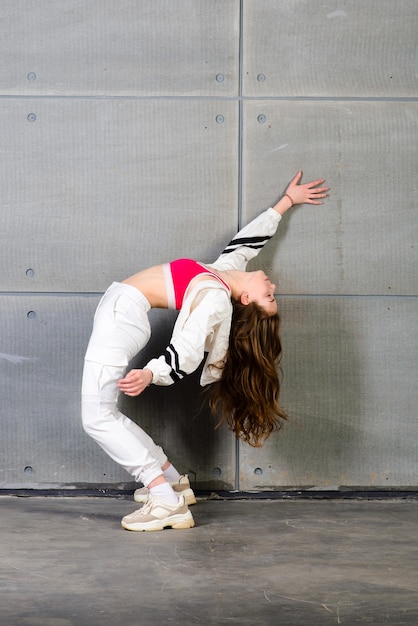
{"type": "Point", "coordinates": [223, 310]}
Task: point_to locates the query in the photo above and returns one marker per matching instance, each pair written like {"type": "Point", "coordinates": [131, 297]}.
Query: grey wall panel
{"type": "Point", "coordinates": [363, 239]}
{"type": "Point", "coordinates": [93, 190]}
{"type": "Point", "coordinates": [43, 344]}
{"type": "Point", "coordinates": [120, 47]}
{"type": "Point", "coordinates": [42, 444]}
{"type": "Point", "coordinates": [350, 374]}
{"type": "Point", "coordinates": [311, 48]}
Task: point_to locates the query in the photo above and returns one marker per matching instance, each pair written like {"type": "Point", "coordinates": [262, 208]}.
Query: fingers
{"type": "Point", "coordinates": [313, 192]}
{"type": "Point", "coordinates": [314, 183]}
{"type": "Point", "coordinates": [133, 394]}
{"type": "Point", "coordinates": [319, 193]}
{"type": "Point", "coordinates": [320, 190]}
{"type": "Point", "coordinates": [312, 186]}
{"type": "Point", "coordinates": [313, 202]}
{"type": "Point", "coordinates": [129, 376]}
{"type": "Point", "coordinates": [295, 180]}
{"type": "Point", "coordinates": [314, 199]}
{"type": "Point", "coordinates": [129, 385]}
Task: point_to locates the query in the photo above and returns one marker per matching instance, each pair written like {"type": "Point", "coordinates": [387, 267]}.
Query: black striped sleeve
{"type": "Point", "coordinates": [172, 359]}
{"type": "Point", "coordinates": [255, 243]}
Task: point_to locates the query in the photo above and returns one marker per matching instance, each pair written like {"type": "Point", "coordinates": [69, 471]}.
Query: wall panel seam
{"type": "Point", "coordinates": [240, 179]}
{"type": "Point", "coordinates": [241, 97]}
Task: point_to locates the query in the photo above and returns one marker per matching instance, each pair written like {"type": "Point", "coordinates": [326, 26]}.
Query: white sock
{"type": "Point", "coordinates": [164, 492]}
{"type": "Point", "coordinates": [171, 474]}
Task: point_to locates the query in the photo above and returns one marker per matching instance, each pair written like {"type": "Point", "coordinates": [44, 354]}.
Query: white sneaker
{"type": "Point", "coordinates": [157, 515]}
{"type": "Point", "coordinates": [181, 487]}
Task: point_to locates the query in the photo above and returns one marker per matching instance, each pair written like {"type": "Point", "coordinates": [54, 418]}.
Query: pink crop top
{"type": "Point", "coordinates": [178, 276]}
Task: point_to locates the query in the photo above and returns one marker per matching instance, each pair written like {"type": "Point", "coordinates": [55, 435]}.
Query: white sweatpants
{"type": "Point", "coordinates": [121, 329]}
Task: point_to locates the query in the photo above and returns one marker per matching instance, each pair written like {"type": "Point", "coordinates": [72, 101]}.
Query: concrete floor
{"type": "Point", "coordinates": [67, 562]}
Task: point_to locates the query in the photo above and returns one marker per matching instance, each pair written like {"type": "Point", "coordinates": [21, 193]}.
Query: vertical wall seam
{"type": "Point", "coordinates": [240, 179]}
{"type": "Point", "coordinates": [240, 113]}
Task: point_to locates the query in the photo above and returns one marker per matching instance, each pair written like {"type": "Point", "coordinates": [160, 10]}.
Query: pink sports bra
{"type": "Point", "coordinates": [178, 276]}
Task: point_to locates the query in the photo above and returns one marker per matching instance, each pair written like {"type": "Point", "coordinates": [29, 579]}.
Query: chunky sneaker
{"type": "Point", "coordinates": [157, 515]}
{"type": "Point", "coordinates": [181, 487]}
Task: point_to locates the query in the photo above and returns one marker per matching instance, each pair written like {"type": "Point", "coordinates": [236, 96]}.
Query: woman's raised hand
{"type": "Point", "coordinates": [296, 193]}
{"type": "Point", "coordinates": [307, 192]}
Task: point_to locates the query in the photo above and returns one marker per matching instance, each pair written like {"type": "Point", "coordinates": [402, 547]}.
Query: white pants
{"type": "Point", "coordinates": [121, 329]}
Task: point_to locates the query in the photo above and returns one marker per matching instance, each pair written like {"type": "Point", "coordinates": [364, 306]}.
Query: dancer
{"type": "Point", "coordinates": [224, 311]}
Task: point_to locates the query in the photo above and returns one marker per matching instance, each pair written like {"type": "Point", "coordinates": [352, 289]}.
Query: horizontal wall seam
{"type": "Point", "coordinates": [214, 98]}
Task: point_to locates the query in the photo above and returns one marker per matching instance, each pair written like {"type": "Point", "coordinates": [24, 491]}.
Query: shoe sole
{"type": "Point", "coordinates": [188, 494]}
{"type": "Point", "coordinates": [177, 522]}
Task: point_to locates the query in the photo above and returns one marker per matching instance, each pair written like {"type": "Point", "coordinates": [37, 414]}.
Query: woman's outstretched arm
{"type": "Point", "coordinates": [251, 239]}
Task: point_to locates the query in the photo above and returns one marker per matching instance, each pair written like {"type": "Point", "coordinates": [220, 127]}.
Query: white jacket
{"type": "Point", "coordinates": [204, 321]}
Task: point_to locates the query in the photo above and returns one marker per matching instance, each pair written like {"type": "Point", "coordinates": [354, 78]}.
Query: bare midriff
{"type": "Point", "coordinates": [151, 283]}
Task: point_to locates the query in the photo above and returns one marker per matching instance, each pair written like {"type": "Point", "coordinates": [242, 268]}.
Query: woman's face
{"type": "Point", "coordinates": [261, 290]}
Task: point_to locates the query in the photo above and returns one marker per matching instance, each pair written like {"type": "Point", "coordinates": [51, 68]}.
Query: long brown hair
{"type": "Point", "coordinates": [246, 396]}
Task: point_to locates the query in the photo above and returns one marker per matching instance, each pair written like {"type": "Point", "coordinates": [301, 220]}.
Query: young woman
{"type": "Point", "coordinates": [224, 311]}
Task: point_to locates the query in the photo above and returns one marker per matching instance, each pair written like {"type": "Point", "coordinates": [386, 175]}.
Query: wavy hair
{"type": "Point", "coordinates": [246, 395]}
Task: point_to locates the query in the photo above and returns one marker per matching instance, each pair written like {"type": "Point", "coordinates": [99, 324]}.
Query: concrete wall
{"type": "Point", "coordinates": [134, 131]}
